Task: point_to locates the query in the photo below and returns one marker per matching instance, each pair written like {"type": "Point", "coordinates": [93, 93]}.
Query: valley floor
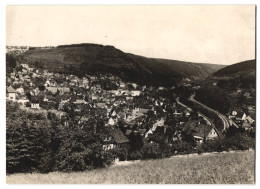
{"type": "Point", "coordinates": [215, 168]}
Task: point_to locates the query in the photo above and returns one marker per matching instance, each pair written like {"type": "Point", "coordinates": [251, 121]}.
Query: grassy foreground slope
{"type": "Point", "coordinates": [221, 168]}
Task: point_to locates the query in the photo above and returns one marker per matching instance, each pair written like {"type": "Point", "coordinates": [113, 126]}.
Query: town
{"type": "Point", "coordinates": [130, 94]}
{"type": "Point", "coordinates": [128, 108]}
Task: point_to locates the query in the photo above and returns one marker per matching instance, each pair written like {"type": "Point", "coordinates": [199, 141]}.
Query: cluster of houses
{"type": "Point", "coordinates": [16, 49]}
{"type": "Point", "coordinates": [129, 108]}
{"type": "Point", "coordinates": [242, 119]}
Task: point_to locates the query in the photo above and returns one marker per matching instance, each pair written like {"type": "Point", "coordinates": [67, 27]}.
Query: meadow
{"type": "Point", "coordinates": [213, 168]}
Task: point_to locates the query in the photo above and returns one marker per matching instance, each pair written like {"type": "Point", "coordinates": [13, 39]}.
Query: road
{"type": "Point", "coordinates": [224, 119]}
{"type": "Point", "coordinates": [183, 105]}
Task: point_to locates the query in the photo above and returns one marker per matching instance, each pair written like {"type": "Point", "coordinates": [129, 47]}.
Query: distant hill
{"type": "Point", "coordinates": [246, 67]}
{"type": "Point", "coordinates": [80, 59]}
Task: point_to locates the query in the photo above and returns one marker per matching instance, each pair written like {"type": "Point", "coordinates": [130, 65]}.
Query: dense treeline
{"type": "Point", "coordinates": [244, 81]}
{"type": "Point", "coordinates": [10, 63]}
{"type": "Point", "coordinates": [214, 97]}
{"type": "Point", "coordinates": [236, 68]}
{"type": "Point", "coordinates": [80, 59]}
{"type": "Point", "coordinates": [35, 143]}
{"type": "Point", "coordinates": [80, 45]}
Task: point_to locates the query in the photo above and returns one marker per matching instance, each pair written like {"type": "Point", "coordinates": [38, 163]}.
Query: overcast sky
{"type": "Point", "coordinates": [207, 34]}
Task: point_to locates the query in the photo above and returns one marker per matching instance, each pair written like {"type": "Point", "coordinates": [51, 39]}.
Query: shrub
{"type": "Point", "coordinates": [183, 147]}
{"type": "Point", "coordinates": [199, 149]}
{"type": "Point", "coordinates": [240, 141]}
{"type": "Point", "coordinates": [135, 155]}
{"type": "Point", "coordinates": [122, 154]}
{"type": "Point", "coordinates": [151, 151]}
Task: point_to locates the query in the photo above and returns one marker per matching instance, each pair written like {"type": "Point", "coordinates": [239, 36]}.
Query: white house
{"type": "Point", "coordinates": [35, 105]}
{"type": "Point", "coordinates": [20, 91]}
{"type": "Point", "coordinates": [25, 66]}
{"type": "Point", "coordinates": [111, 121]}
{"type": "Point", "coordinates": [11, 94]}
{"type": "Point", "coordinates": [135, 93]}
{"type": "Point", "coordinates": [22, 101]}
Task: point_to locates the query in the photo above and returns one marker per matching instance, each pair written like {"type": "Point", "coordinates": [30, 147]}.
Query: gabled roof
{"type": "Point", "coordinates": [34, 100]}
{"type": "Point", "coordinates": [240, 114]}
{"type": "Point", "coordinates": [158, 138]}
{"type": "Point", "coordinates": [119, 136]}
{"type": "Point", "coordinates": [128, 132]}
{"type": "Point", "coordinates": [201, 130]}
{"type": "Point", "coordinates": [10, 89]}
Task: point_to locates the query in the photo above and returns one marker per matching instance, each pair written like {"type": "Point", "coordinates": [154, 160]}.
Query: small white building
{"type": "Point", "coordinates": [20, 91]}
{"type": "Point", "coordinates": [11, 94]}
{"type": "Point", "coordinates": [35, 105]}
{"type": "Point", "coordinates": [23, 101]}
{"type": "Point", "coordinates": [135, 93]}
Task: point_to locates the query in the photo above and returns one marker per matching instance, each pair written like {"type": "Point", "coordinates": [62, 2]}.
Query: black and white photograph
{"type": "Point", "coordinates": [130, 94]}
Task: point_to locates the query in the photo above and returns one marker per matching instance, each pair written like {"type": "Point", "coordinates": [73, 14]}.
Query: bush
{"type": "Point", "coordinates": [240, 141]}
{"type": "Point", "coordinates": [135, 155]}
{"type": "Point", "coordinates": [183, 147]}
{"type": "Point", "coordinates": [199, 149]}
{"type": "Point", "coordinates": [151, 151]}
{"type": "Point", "coordinates": [122, 154]}
{"type": "Point", "coordinates": [213, 146]}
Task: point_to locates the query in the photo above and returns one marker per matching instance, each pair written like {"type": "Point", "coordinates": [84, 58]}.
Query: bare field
{"type": "Point", "coordinates": [220, 168]}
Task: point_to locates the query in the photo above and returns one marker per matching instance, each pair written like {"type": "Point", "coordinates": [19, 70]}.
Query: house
{"type": "Point", "coordinates": [135, 93]}
{"type": "Point", "coordinates": [149, 132]}
{"type": "Point", "coordinates": [161, 88]}
{"type": "Point", "coordinates": [25, 71]}
{"type": "Point", "coordinates": [63, 90]}
{"type": "Point", "coordinates": [94, 98]}
{"type": "Point", "coordinates": [25, 66]}
{"type": "Point", "coordinates": [11, 94]}
{"type": "Point", "coordinates": [246, 125]}
{"type": "Point", "coordinates": [47, 83]}
{"type": "Point", "coordinates": [122, 85]}
{"type": "Point", "coordinates": [250, 120]}
{"type": "Point", "coordinates": [201, 132]}
{"type": "Point", "coordinates": [128, 132]}
{"type": "Point", "coordinates": [115, 139]}
{"type": "Point", "coordinates": [101, 105]}
{"type": "Point", "coordinates": [8, 80]}
{"type": "Point", "coordinates": [111, 121]}
{"type": "Point", "coordinates": [49, 98]}
{"type": "Point", "coordinates": [34, 75]}
{"type": "Point", "coordinates": [61, 105]}
{"type": "Point", "coordinates": [176, 112]}
{"type": "Point", "coordinates": [20, 91]}
{"type": "Point", "coordinates": [35, 103]}
{"type": "Point", "coordinates": [93, 78]}
{"type": "Point", "coordinates": [240, 116]}
{"type": "Point", "coordinates": [31, 69]}
{"type": "Point", "coordinates": [80, 101]}
{"type": "Point", "coordinates": [239, 91]}
{"type": "Point", "coordinates": [142, 132]}
{"type": "Point", "coordinates": [53, 90]}
{"type": "Point", "coordinates": [36, 91]}
{"type": "Point", "coordinates": [22, 101]}
{"type": "Point", "coordinates": [247, 95]}
{"type": "Point", "coordinates": [85, 81]}
{"type": "Point", "coordinates": [186, 113]}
